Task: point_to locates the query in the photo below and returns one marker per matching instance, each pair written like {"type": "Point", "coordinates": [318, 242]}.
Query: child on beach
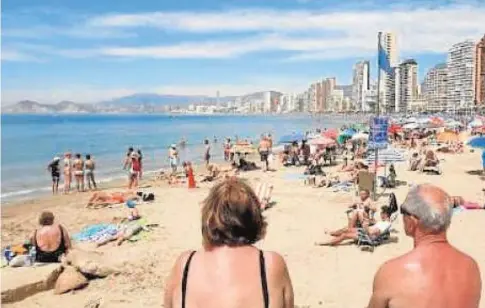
{"type": "Point", "coordinates": [189, 173]}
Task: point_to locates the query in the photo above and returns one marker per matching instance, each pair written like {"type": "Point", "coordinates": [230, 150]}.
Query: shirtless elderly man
{"type": "Point", "coordinates": [434, 273]}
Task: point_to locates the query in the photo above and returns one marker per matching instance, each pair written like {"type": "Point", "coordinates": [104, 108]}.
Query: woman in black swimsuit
{"type": "Point", "coordinates": [51, 240]}
{"type": "Point", "coordinates": [229, 271]}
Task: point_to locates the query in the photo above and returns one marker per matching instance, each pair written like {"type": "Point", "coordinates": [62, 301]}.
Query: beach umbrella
{"type": "Point", "coordinates": [477, 142]}
{"type": "Point", "coordinates": [453, 124]}
{"type": "Point", "coordinates": [394, 128]}
{"type": "Point", "coordinates": [411, 126]}
{"type": "Point", "coordinates": [360, 136]}
{"type": "Point", "coordinates": [323, 142]}
{"type": "Point", "coordinates": [330, 133]}
{"type": "Point", "coordinates": [298, 137]}
{"type": "Point", "coordinates": [447, 137]}
{"type": "Point", "coordinates": [342, 138]}
{"type": "Point", "coordinates": [386, 156]}
{"type": "Point", "coordinates": [476, 123]}
{"type": "Point", "coordinates": [349, 132]}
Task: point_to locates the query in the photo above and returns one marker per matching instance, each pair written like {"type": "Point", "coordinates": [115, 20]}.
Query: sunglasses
{"type": "Point", "coordinates": [404, 212]}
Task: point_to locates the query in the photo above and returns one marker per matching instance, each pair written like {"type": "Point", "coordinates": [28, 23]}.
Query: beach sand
{"type": "Point", "coordinates": [321, 276]}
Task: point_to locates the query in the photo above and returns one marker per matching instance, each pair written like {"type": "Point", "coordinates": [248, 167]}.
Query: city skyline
{"type": "Point", "coordinates": [89, 52]}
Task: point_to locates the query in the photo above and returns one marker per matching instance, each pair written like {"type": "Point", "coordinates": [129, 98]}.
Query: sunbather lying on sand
{"type": "Point", "coordinates": [459, 201]}
{"type": "Point", "coordinates": [353, 233]}
{"type": "Point", "coordinates": [102, 198]}
{"type": "Point", "coordinates": [430, 160]}
{"type": "Point", "coordinates": [126, 231]}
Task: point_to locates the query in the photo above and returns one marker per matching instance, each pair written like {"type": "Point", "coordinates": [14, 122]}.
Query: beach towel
{"type": "Point", "coordinates": [96, 233]}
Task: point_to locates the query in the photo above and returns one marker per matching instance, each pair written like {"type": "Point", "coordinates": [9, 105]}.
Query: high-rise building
{"type": "Point", "coordinates": [406, 85]}
{"type": "Point", "coordinates": [387, 84]}
{"type": "Point", "coordinates": [360, 84]}
{"type": "Point", "coordinates": [323, 89]}
{"type": "Point", "coordinates": [480, 73]}
{"type": "Point", "coordinates": [434, 88]}
{"type": "Point", "coordinates": [461, 75]}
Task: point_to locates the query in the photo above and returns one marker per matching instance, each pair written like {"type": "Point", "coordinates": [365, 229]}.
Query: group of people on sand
{"type": "Point", "coordinates": [232, 222]}
{"type": "Point", "coordinates": [81, 170]}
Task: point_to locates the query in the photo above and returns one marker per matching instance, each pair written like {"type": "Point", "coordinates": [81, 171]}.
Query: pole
{"type": "Point", "coordinates": [376, 157]}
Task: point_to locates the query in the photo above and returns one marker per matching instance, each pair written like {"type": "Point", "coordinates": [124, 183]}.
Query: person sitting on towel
{"type": "Point", "coordinates": [51, 240]}
{"type": "Point", "coordinates": [353, 233]}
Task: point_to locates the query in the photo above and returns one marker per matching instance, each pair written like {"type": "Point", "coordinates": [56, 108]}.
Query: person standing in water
{"type": "Point", "coordinates": [90, 166]}
{"type": "Point", "coordinates": [78, 167]}
{"type": "Point", "coordinates": [55, 171]}
{"type": "Point", "coordinates": [67, 172]}
{"type": "Point", "coordinates": [207, 154]}
{"type": "Point", "coordinates": [127, 161]}
{"type": "Point", "coordinates": [173, 158]}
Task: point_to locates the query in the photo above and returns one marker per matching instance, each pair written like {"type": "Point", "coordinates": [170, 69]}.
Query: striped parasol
{"type": "Point", "coordinates": [387, 156]}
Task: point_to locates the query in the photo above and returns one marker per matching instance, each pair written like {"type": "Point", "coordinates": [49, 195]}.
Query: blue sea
{"type": "Point", "coordinates": [29, 142]}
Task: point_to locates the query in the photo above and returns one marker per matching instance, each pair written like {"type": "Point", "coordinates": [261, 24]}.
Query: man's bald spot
{"type": "Point", "coordinates": [435, 197]}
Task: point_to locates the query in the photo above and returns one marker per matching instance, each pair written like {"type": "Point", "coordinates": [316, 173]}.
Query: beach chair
{"type": "Point", "coordinates": [365, 242]}
{"type": "Point", "coordinates": [263, 192]}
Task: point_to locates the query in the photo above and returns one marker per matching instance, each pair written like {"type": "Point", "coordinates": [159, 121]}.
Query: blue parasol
{"type": "Point", "coordinates": [293, 137]}
{"type": "Point", "coordinates": [477, 142]}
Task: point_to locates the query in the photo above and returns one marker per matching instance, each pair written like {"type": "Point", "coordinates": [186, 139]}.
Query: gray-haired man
{"type": "Point", "coordinates": [434, 273]}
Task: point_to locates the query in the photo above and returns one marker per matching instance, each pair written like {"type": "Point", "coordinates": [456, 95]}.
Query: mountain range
{"type": "Point", "coordinates": [140, 102]}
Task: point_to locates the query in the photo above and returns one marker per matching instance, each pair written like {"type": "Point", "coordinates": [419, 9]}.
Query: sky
{"type": "Point", "coordinates": [95, 50]}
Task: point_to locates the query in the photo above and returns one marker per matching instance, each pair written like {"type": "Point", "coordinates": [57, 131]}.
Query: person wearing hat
{"type": "Point", "coordinates": [173, 157]}
{"type": "Point", "coordinates": [55, 171]}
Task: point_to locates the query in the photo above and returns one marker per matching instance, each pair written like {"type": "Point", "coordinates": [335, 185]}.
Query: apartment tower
{"type": "Point", "coordinates": [480, 73]}
{"type": "Point", "coordinates": [434, 88]}
{"type": "Point", "coordinates": [461, 75]}
{"type": "Point", "coordinates": [406, 85]}
{"type": "Point", "coordinates": [387, 84]}
{"type": "Point", "coordinates": [361, 85]}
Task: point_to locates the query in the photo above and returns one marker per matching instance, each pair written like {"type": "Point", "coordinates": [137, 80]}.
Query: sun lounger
{"type": "Point", "coordinates": [364, 241]}
{"type": "Point", "coordinates": [263, 192]}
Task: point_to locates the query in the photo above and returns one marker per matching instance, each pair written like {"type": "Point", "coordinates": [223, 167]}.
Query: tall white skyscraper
{"type": "Point", "coordinates": [361, 85]}
{"type": "Point", "coordinates": [387, 84]}
{"type": "Point", "coordinates": [461, 75]}
{"type": "Point", "coordinates": [434, 87]}
{"type": "Point", "coordinates": [406, 85]}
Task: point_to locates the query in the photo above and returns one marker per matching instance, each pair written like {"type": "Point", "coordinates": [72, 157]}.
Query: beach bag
{"type": "Point", "coordinates": [70, 279]}
{"type": "Point", "coordinates": [148, 197]}
{"type": "Point", "coordinates": [20, 261]}
{"type": "Point", "coordinates": [88, 263]}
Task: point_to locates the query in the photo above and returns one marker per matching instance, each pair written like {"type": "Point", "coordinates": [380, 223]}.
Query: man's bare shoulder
{"type": "Point", "coordinates": [397, 266]}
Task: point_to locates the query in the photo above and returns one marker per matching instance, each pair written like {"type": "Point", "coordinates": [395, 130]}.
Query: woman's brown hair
{"type": "Point", "coordinates": [231, 215]}
{"type": "Point", "coordinates": [46, 218]}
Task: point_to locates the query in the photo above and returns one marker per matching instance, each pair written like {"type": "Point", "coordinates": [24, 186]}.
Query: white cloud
{"type": "Point", "coordinates": [419, 30]}
{"type": "Point", "coordinates": [17, 56]}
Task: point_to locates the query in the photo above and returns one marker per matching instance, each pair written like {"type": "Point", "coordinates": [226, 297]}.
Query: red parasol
{"type": "Point", "coordinates": [331, 133]}
{"type": "Point", "coordinates": [394, 128]}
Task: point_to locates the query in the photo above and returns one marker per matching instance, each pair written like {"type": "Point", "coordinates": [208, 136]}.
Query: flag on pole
{"type": "Point", "coordinates": [383, 57]}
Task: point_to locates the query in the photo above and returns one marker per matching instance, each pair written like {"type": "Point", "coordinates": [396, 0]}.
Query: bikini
{"type": "Point", "coordinates": [262, 267]}
{"type": "Point", "coordinates": [50, 256]}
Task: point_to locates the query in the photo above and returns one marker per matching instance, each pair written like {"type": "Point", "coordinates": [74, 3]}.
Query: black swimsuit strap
{"type": "Point", "coordinates": [264, 282]}
{"type": "Point", "coordinates": [184, 278]}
